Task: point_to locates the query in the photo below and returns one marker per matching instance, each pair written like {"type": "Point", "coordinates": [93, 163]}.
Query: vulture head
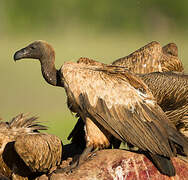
{"type": "Point", "coordinates": [45, 53]}
{"type": "Point", "coordinates": [36, 50]}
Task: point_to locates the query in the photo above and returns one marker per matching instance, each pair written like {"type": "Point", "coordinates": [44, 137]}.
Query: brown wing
{"type": "Point", "coordinates": [143, 60]}
{"type": "Point", "coordinates": [171, 92]}
{"type": "Point", "coordinates": [19, 125]}
{"type": "Point", "coordinates": [122, 104]}
{"type": "Point", "coordinates": [152, 58]}
{"type": "Point", "coordinates": [40, 152]}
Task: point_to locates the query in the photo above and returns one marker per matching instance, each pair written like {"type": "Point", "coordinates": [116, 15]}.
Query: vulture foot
{"type": "Point", "coordinates": [77, 161]}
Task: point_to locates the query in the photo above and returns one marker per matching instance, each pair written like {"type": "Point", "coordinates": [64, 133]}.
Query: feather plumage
{"type": "Point", "coordinates": [24, 151]}
{"type": "Point", "coordinates": [152, 58]}
{"type": "Point", "coordinates": [171, 92]}
{"type": "Point", "coordinates": [118, 101]}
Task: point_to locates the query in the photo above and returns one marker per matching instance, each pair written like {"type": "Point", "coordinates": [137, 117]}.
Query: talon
{"type": "Point", "coordinates": [63, 170]}
{"type": "Point", "coordinates": [92, 155]}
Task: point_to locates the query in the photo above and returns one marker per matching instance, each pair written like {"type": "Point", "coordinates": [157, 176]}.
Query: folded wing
{"type": "Point", "coordinates": [122, 104]}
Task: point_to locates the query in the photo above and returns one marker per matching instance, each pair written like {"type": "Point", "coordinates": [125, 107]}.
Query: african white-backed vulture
{"type": "Point", "coordinates": [120, 104]}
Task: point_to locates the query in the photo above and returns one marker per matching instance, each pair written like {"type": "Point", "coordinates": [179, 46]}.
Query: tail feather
{"type": "Point", "coordinates": [163, 164]}
{"type": "Point", "coordinates": [178, 138]}
{"type": "Point", "coordinates": [23, 121]}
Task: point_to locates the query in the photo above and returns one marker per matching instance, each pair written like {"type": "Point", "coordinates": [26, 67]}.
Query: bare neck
{"type": "Point", "coordinates": [49, 72]}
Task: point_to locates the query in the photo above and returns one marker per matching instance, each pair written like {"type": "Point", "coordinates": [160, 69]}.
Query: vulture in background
{"type": "Point", "coordinates": [112, 101]}
{"type": "Point", "coordinates": [152, 58]}
{"type": "Point", "coordinates": [25, 153]}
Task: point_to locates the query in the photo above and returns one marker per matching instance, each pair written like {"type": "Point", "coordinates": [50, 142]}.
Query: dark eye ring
{"type": "Point", "coordinates": [32, 47]}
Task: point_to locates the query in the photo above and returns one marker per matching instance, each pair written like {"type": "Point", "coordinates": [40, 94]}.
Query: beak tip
{"type": "Point", "coordinates": [16, 56]}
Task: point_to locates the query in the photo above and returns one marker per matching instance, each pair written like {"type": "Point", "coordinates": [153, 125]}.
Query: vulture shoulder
{"type": "Point", "coordinates": [152, 58]}
{"type": "Point", "coordinates": [88, 61]}
{"type": "Point", "coordinates": [143, 60]}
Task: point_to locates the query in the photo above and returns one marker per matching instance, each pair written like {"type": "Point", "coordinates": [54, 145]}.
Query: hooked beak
{"type": "Point", "coordinates": [21, 54]}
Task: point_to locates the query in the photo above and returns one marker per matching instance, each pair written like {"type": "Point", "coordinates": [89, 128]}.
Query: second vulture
{"type": "Point", "coordinates": [25, 153]}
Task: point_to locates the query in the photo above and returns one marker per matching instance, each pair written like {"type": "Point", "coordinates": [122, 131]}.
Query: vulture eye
{"type": "Point", "coordinates": [32, 47]}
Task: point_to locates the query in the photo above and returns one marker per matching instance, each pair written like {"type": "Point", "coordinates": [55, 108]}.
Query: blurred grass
{"type": "Point", "coordinates": [23, 88]}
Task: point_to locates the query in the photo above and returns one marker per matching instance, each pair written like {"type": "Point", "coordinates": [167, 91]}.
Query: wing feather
{"type": "Point", "coordinates": [40, 152]}
{"type": "Point", "coordinates": [127, 110]}
{"type": "Point", "coordinates": [152, 58]}
{"type": "Point", "coordinates": [143, 60]}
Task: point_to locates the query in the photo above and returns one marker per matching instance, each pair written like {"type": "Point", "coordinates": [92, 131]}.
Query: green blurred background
{"type": "Point", "coordinates": [103, 30]}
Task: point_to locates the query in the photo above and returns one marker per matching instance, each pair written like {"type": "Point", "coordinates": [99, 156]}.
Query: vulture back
{"type": "Point", "coordinates": [171, 92]}
{"type": "Point", "coordinates": [152, 58]}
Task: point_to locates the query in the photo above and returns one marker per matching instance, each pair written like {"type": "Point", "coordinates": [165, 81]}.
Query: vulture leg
{"type": "Point", "coordinates": [76, 163]}
{"type": "Point", "coordinates": [83, 157]}
{"type": "Point", "coordinates": [95, 139]}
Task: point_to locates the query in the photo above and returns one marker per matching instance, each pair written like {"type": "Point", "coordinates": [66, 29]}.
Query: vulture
{"type": "Point", "coordinates": [112, 102]}
{"type": "Point", "coordinates": [25, 152]}
{"type": "Point", "coordinates": [152, 58]}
